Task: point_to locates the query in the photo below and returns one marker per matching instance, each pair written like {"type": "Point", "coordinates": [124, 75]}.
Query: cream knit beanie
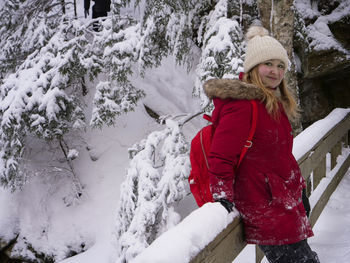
{"type": "Point", "coordinates": [262, 47]}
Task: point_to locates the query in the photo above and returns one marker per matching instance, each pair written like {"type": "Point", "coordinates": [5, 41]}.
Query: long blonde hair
{"type": "Point", "coordinates": [270, 99]}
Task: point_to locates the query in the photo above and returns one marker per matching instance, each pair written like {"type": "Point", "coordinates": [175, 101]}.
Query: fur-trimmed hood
{"type": "Point", "coordinates": [231, 88]}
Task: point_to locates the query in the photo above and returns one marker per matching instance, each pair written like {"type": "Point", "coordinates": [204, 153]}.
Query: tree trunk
{"type": "Point", "coordinates": [75, 9]}
{"type": "Point", "coordinates": [63, 7]}
{"type": "Point", "coordinates": [278, 17]}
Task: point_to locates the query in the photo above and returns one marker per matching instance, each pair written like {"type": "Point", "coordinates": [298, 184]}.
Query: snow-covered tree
{"type": "Point", "coordinates": [48, 56]}
{"type": "Point", "coordinates": [118, 44]}
{"type": "Point", "coordinates": [25, 26]}
{"type": "Point", "coordinates": [32, 98]}
{"type": "Point", "coordinates": [181, 28]}
{"type": "Point", "coordinates": [44, 94]}
{"type": "Point", "coordinates": [222, 47]}
{"type": "Point", "coordinates": [155, 182]}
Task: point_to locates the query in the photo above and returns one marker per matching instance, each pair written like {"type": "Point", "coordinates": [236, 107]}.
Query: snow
{"type": "Point", "coordinates": [101, 162]}
{"type": "Point", "coordinates": [303, 144]}
{"type": "Point", "coordinates": [330, 174]}
{"type": "Point", "coordinates": [320, 36]}
{"type": "Point", "coordinates": [55, 222]}
{"type": "Point", "coordinates": [178, 244]}
{"type": "Point", "coordinates": [92, 220]}
{"type": "Point", "coordinates": [189, 237]}
{"type": "Point", "coordinates": [332, 229]}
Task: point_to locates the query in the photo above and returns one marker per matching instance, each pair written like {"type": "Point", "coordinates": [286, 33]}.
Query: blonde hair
{"type": "Point", "coordinates": [270, 99]}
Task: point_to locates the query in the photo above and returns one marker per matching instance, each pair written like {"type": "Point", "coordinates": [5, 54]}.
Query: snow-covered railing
{"type": "Point", "coordinates": [211, 235]}
{"type": "Point", "coordinates": [323, 178]}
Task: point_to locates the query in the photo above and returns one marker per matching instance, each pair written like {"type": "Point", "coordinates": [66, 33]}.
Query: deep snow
{"type": "Point", "coordinates": [41, 215]}
{"type": "Point", "coordinates": [39, 207]}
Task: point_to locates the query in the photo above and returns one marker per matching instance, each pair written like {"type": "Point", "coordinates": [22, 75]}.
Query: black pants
{"type": "Point", "coordinates": [299, 252]}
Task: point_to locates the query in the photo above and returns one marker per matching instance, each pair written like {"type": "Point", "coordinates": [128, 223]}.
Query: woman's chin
{"type": "Point", "coordinates": [271, 87]}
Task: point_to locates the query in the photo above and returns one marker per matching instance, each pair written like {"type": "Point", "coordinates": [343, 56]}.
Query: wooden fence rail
{"type": "Point", "coordinates": [230, 242]}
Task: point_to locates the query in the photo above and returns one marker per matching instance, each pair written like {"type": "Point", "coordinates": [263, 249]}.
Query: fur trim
{"type": "Point", "coordinates": [231, 88]}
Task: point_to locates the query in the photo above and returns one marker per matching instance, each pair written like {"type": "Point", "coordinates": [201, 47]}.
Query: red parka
{"type": "Point", "coordinates": [267, 187]}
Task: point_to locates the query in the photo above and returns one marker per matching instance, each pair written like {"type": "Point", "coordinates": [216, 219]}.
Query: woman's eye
{"type": "Point", "coordinates": [281, 66]}
{"type": "Point", "coordinates": [268, 63]}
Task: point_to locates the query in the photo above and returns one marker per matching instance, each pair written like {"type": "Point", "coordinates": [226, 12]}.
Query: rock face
{"type": "Point", "coordinates": [321, 94]}
{"type": "Point", "coordinates": [324, 53]}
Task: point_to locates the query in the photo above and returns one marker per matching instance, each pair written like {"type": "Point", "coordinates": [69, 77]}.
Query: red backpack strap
{"type": "Point", "coordinates": [207, 117]}
{"type": "Point", "coordinates": [249, 141]}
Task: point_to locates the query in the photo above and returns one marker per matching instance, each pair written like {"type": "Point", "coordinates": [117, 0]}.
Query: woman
{"type": "Point", "coordinates": [267, 186]}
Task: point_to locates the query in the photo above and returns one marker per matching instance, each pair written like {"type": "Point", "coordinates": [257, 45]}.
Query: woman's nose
{"type": "Point", "coordinates": [274, 70]}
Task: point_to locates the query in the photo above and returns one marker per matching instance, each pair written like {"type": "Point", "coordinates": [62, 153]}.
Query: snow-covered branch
{"type": "Point", "coordinates": [150, 190]}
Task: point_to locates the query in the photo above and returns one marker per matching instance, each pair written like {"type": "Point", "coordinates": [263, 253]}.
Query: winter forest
{"type": "Point", "coordinates": [96, 124]}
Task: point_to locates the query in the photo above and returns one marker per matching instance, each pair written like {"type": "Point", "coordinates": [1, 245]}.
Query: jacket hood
{"type": "Point", "coordinates": [231, 88]}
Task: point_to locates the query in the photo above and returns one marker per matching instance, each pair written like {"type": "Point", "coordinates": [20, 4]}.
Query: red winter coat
{"type": "Point", "coordinates": [267, 186]}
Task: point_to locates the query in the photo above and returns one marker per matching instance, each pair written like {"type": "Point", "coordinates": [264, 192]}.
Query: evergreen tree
{"type": "Point", "coordinates": [25, 26]}
{"type": "Point", "coordinates": [44, 95]}
{"type": "Point", "coordinates": [32, 99]}
{"type": "Point", "coordinates": [41, 97]}
{"type": "Point", "coordinates": [222, 47]}
{"type": "Point", "coordinates": [155, 182]}
{"type": "Point", "coordinates": [119, 51]}
{"type": "Point", "coordinates": [47, 55]}
{"type": "Point", "coordinates": [180, 28]}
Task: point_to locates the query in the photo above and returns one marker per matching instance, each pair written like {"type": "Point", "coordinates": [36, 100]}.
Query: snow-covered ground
{"type": "Point", "coordinates": [43, 219]}
{"type": "Point", "coordinates": [332, 229]}
{"type": "Point", "coordinates": [39, 212]}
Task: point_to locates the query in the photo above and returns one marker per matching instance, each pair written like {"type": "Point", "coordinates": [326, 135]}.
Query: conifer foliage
{"type": "Point", "coordinates": [154, 184]}
{"type": "Point", "coordinates": [151, 190]}
{"type": "Point", "coordinates": [47, 56]}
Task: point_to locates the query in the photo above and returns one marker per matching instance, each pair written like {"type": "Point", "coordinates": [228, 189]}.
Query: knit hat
{"type": "Point", "coordinates": [262, 47]}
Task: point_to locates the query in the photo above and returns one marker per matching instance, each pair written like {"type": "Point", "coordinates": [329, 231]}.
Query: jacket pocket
{"type": "Point", "coordinates": [280, 194]}
{"type": "Point", "coordinates": [268, 188]}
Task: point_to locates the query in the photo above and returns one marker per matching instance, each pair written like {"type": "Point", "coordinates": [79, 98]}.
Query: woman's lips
{"type": "Point", "coordinates": [273, 78]}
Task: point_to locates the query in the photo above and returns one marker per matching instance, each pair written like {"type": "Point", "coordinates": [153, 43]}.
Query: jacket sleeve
{"type": "Point", "coordinates": [227, 143]}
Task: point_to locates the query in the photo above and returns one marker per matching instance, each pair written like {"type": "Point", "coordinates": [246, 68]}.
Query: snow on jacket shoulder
{"type": "Point", "coordinates": [266, 187]}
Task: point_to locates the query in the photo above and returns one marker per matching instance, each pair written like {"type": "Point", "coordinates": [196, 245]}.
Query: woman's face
{"type": "Point", "coordinates": [271, 72]}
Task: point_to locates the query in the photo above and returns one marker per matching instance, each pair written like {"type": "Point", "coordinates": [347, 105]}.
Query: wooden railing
{"type": "Point", "coordinates": [230, 242]}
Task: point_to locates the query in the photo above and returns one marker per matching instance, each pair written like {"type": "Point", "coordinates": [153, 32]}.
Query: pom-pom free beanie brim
{"type": "Point", "coordinates": [262, 47]}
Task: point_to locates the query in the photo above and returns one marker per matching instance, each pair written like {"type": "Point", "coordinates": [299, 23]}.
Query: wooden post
{"type": "Point", "coordinates": [321, 203]}
{"type": "Point", "coordinates": [319, 173]}
{"type": "Point", "coordinates": [335, 152]}
{"type": "Point", "coordinates": [308, 186]}
{"type": "Point", "coordinates": [345, 140]}
{"type": "Point", "coordinates": [259, 255]}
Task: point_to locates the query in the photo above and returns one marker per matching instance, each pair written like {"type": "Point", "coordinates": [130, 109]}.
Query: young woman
{"type": "Point", "coordinates": [267, 186]}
